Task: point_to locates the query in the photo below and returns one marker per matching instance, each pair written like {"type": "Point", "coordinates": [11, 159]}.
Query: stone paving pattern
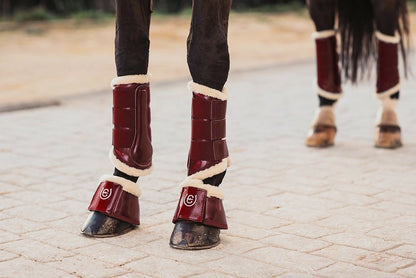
{"type": "Point", "coordinates": [293, 211]}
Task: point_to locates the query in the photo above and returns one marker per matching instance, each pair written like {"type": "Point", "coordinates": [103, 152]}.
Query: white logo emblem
{"type": "Point", "coordinates": [105, 193]}
{"type": "Point", "coordinates": [190, 200]}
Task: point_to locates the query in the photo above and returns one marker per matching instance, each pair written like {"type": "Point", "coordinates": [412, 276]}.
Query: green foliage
{"type": "Point", "coordinates": [35, 14]}
{"type": "Point", "coordinates": [93, 15]}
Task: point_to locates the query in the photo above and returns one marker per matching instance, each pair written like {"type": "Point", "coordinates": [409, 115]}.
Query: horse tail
{"type": "Point", "coordinates": [357, 25]}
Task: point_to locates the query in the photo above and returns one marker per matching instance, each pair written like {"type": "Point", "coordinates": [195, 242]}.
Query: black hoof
{"type": "Point", "coordinates": [101, 225]}
{"type": "Point", "coordinates": [194, 236]}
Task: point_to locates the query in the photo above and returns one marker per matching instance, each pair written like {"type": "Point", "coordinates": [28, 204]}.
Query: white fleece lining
{"type": "Point", "coordinates": [196, 180]}
{"type": "Point", "coordinates": [128, 186]}
{"type": "Point", "coordinates": [386, 113]}
{"type": "Point", "coordinates": [129, 79]}
{"type": "Point", "coordinates": [329, 95]}
{"type": "Point", "coordinates": [201, 89]}
{"type": "Point", "coordinates": [324, 115]}
{"type": "Point", "coordinates": [126, 169]}
{"type": "Point", "coordinates": [389, 92]}
{"type": "Point", "coordinates": [211, 171]}
{"type": "Point", "coordinates": [212, 191]}
{"type": "Point", "coordinates": [388, 39]}
{"type": "Point", "coordinates": [323, 34]}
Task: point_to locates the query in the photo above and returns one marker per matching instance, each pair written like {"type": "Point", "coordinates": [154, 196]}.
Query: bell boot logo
{"type": "Point", "coordinates": [190, 200]}
{"type": "Point", "coordinates": [105, 193]}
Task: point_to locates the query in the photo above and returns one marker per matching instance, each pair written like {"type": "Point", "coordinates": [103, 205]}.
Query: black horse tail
{"type": "Point", "coordinates": [356, 24]}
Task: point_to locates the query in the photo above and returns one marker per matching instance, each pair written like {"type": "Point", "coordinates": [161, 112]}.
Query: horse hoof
{"type": "Point", "coordinates": [388, 137]}
{"type": "Point", "coordinates": [101, 225]}
{"type": "Point", "coordinates": [321, 136]}
{"type": "Point", "coordinates": [188, 235]}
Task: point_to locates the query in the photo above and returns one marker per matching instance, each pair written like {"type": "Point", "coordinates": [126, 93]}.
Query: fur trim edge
{"type": "Point", "coordinates": [329, 95]}
{"type": "Point", "coordinates": [386, 38]}
{"type": "Point", "coordinates": [128, 186]}
{"type": "Point", "coordinates": [389, 92]}
{"type": "Point", "coordinates": [126, 169]}
{"type": "Point", "coordinates": [205, 90]}
{"type": "Point", "coordinates": [323, 34]}
{"type": "Point", "coordinates": [129, 79]}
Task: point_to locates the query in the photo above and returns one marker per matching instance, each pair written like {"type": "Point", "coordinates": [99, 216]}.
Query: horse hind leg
{"type": "Point", "coordinates": [388, 132]}
{"type": "Point", "coordinates": [323, 129]}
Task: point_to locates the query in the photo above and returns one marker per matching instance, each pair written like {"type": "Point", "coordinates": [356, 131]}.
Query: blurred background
{"type": "Point", "coordinates": [56, 49]}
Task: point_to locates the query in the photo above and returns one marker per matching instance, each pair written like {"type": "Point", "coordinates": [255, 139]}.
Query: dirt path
{"type": "Point", "coordinates": [41, 62]}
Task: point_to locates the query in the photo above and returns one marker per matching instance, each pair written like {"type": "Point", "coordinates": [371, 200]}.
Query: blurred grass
{"type": "Point", "coordinates": [36, 14]}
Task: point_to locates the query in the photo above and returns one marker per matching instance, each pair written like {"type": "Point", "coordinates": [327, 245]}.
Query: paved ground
{"type": "Point", "coordinates": [346, 211]}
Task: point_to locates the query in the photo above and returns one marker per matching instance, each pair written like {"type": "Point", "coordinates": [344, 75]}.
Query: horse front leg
{"type": "Point", "coordinates": [388, 132]}
{"type": "Point", "coordinates": [115, 204]}
{"type": "Point", "coordinates": [323, 130]}
{"type": "Point", "coordinates": [200, 214]}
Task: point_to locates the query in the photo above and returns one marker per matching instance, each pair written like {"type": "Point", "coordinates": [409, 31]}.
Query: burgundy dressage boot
{"type": "Point", "coordinates": [115, 204]}
{"type": "Point", "coordinates": [388, 132]}
{"type": "Point", "coordinates": [200, 214]}
{"type": "Point", "coordinates": [323, 130]}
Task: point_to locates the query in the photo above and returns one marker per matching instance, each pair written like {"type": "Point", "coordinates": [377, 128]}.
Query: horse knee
{"type": "Point", "coordinates": [322, 13]}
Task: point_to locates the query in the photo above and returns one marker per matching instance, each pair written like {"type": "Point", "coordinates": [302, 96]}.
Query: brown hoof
{"type": "Point", "coordinates": [101, 225]}
{"type": "Point", "coordinates": [321, 136]}
{"type": "Point", "coordinates": [188, 235]}
{"type": "Point", "coordinates": [388, 137]}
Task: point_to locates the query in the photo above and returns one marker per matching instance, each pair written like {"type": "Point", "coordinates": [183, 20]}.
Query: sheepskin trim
{"type": "Point", "coordinates": [128, 186]}
{"type": "Point", "coordinates": [388, 39]}
{"type": "Point", "coordinates": [323, 34]}
{"type": "Point", "coordinates": [386, 113]}
{"type": "Point", "coordinates": [212, 191]}
{"type": "Point", "coordinates": [389, 92]}
{"type": "Point", "coordinates": [196, 180]}
{"type": "Point", "coordinates": [126, 169]}
{"type": "Point", "coordinates": [129, 79]}
{"type": "Point", "coordinates": [329, 95]}
{"type": "Point", "coordinates": [324, 115]}
{"type": "Point", "coordinates": [211, 171]}
{"type": "Point", "coordinates": [201, 89]}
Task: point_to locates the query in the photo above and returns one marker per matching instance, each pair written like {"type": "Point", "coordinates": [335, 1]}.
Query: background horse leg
{"type": "Point", "coordinates": [386, 14]}
{"type": "Point", "coordinates": [115, 206]}
{"type": "Point", "coordinates": [323, 128]}
{"type": "Point", "coordinates": [200, 214]}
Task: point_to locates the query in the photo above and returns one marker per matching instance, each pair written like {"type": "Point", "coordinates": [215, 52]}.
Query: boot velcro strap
{"type": "Point", "coordinates": [122, 117]}
{"type": "Point", "coordinates": [205, 107]}
{"type": "Point", "coordinates": [208, 150]}
{"type": "Point", "coordinates": [208, 130]}
{"type": "Point", "coordinates": [110, 199]}
{"type": "Point", "coordinates": [194, 205]}
{"type": "Point", "coordinates": [122, 137]}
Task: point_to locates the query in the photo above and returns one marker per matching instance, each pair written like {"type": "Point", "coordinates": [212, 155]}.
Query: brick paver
{"type": "Point", "coordinates": [346, 211]}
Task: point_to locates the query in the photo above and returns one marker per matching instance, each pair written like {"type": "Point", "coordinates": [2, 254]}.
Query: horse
{"type": "Point", "coordinates": [200, 214]}
{"type": "Point", "coordinates": [367, 29]}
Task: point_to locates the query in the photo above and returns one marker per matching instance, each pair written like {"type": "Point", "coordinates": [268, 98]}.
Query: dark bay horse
{"type": "Point", "coordinates": [199, 215]}
{"type": "Point", "coordinates": [367, 29]}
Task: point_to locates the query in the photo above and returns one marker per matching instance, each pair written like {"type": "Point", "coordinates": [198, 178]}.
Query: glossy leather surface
{"type": "Point", "coordinates": [195, 206]}
{"type": "Point", "coordinates": [208, 145]}
{"type": "Point", "coordinates": [387, 66]}
{"type": "Point", "coordinates": [329, 78]}
{"type": "Point", "coordinates": [132, 139]}
{"type": "Point", "coordinates": [110, 199]}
